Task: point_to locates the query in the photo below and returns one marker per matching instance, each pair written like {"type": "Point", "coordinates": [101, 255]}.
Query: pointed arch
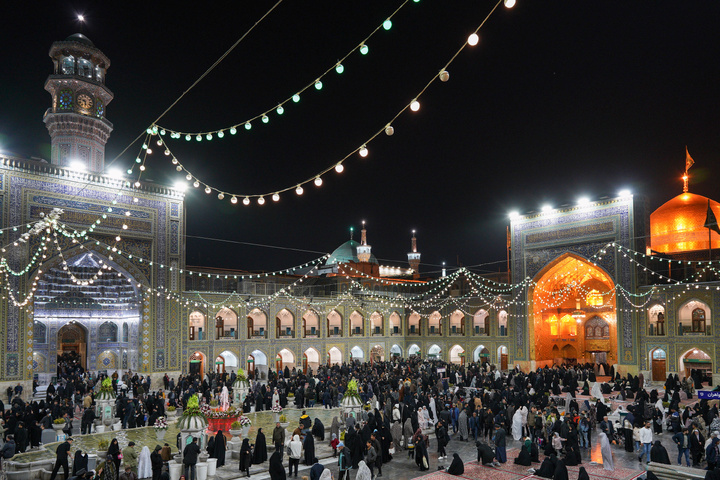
{"type": "Point", "coordinates": [334, 324]}
{"type": "Point", "coordinates": [284, 324]}
{"type": "Point", "coordinates": [310, 324]}
{"type": "Point", "coordinates": [257, 323]}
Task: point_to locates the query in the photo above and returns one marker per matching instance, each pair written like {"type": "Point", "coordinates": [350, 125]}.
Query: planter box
{"type": "Point", "coordinates": [215, 424]}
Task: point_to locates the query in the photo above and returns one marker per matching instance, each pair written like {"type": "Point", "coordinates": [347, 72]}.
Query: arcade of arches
{"type": "Point", "coordinates": [573, 314]}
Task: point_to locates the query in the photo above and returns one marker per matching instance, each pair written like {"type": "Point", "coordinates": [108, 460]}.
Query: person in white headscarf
{"type": "Point", "coordinates": [596, 392]}
{"type": "Point", "coordinates": [434, 410]}
{"type": "Point", "coordinates": [517, 425]}
{"type": "Point", "coordinates": [224, 398]}
{"type": "Point", "coordinates": [144, 463]}
{"type": "Point", "coordinates": [363, 472]}
{"type": "Point", "coordinates": [423, 418]}
{"type": "Point", "coordinates": [275, 398]}
{"type": "Point", "coordinates": [326, 475]}
{"type": "Point", "coordinates": [396, 416]}
{"type": "Point", "coordinates": [608, 463]}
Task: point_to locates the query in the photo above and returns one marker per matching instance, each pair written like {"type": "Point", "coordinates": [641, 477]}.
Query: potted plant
{"type": "Point", "coordinates": [106, 390]}
{"type": "Point", "coordinates": [102, 448]}
{"type": "Point", "coordinates": [193, 418]}
{"type": "Point", "coordinates": [235, 429]}
{"type": "Point", "coordinates": [59, 424]}
{"type": "Point", "coordinates": [160, 427]}
{"type": "Point", "coordinates": [170, 411]}
{"type": "Point", "coordinates": [245, 424]}
{"type": "Point", "coordinates": [277, 410]}
{"type": "Point", "coordinates": [213, 403]}
{"type": "Point", "coordinates": [283, 421]}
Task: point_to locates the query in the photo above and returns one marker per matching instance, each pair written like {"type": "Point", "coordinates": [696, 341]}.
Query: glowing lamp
{"type": "Point", "coordinates": [188, 137]}
{"type": "Point", "coordinates": [221, 196]}
{"type": "Point", "coordinates": [513, 215]}
{"type": "Point", "coordinates": [114, 173]}
{"type": "Point", "coordinates": [188, 177]}
{"type": "Point", "coordinates": [625, 193]}
{"type": "Point", "coordinates": [473, 39]}
{"type": "Point", "coordinates": [181, 186]}
{"type": "Point", "coordinates": [389, 130]}
{"type": "Point", "coordinates": [209, 136]}
{"type": "Point", "coordinates": [233, 200]}
{"type": "Point", "coordinates": [233, 131]}
{"type": "Point", "coordinates": [265, 119]}
{"type": "Point", "coordinates": [196, 184]}
{"type": "Point", "coordinates": [77, 165]}
{"type": "Point", "coordinates": [318, 85]}
{"type": "Point", "coordinates": [583, 201]}
{"type": "Point", "coordinates": [178, 168]}
{"type": "Point", "coordinates": [296, 98]}
{"type": "Point", "coordinates": [387, 24]}
{"type": "Point", "coordinates": [415, 106]}
{"type": "Point", "coordinates": [276, 197]}
{"type": "Point", "coordinates": [261, 201]}
{"type": "Point", "coordinates": [444, 76]}
{"type": "Point", "coordinates": [509, 3]}
{"type": "Point", "coordinates": [299, 190]}
{"type": "Point", "coordinates": [318, 181]}
{"type": "Point", "coordinates": [198, 138]}
{"type": "Point", "coordinates": [363, 151]}
{"type": "Point", "coordinates": [208, 190]}
{"type": "Point", "coordinates": [339, 68]}
{"type": "Point", "coordinates": [280, 110]}
{"type": "Point", "coordinates": [248, 125]}
{"type": "Point", "coordinates": [364, 49]}
{"type": "Point", "coordinates": [246, 201]}
{"type": "Point", "coordinates": [546, 208]}
{"type": "Point", "coordinates": [339, 168]}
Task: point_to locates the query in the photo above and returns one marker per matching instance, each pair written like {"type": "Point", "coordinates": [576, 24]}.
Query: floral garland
{"type": "Point", "coordinates": [106, 386]}
{"type": "Point", "coordinates": [277, 408]}
{"type": "Point", "coordinates": [193, 408]}
{"type": "Point", "coordinates": [241, 377]}
{"type": "Point", "coordinates": [160, 424]}
{"type": "Point", "coordinates": [244, 421]}
{"type": "Point", "coordinates": [217, 413]}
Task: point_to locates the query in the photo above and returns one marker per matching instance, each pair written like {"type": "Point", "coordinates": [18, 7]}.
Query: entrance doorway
{"type": "Point", "coordinates": [503, 357]}
{"type": "Point", "coordinates": [197, 364]}
{"type": "Point", "coordinates": [72, 345]}
{"type": "Point", "coordinates": [658, 365]}
{"type": "Point", "coordinates": [377, 353]}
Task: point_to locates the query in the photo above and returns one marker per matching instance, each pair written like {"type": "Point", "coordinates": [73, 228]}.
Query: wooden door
{"type": "Point", "coordinates": [658, 370]}
{"type": "Point", "coordinates": [503, 361]}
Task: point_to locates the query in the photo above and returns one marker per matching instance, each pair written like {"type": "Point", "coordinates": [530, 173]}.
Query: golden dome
{"type": "Point", "coordinates": [678, 225]}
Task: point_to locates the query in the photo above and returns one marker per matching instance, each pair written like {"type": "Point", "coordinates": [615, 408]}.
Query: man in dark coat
{"type": "Point", "coordinates": [278, 438]}
{"type": "Point", "coordinates": [500, 444]}
{"type": "Point", "coordinates": [22, 438]}
{"type": "Point", "coordinates": [63, 454]}
{"type": "Point", "coordinates": [156, 462]}
{"type": "Point", "coordinates": [190, 458]}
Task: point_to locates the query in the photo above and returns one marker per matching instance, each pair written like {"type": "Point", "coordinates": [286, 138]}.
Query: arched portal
{"type": "Point", "coordinates": [658, 365]}
{"type": "Point", "coordinates": [457, 355]}
{"type": "Point", "coordinates": [396, 351]}
{"type": "Point", "coordinates": [334, 324]}
{"type": "Point", "coordinates": [256, 324]}
{"type": "Point", "coordinates": [226, 324]}
{"type": "Point", "coordinates": [377, 353]}
{"type": "Point", "coordinates": [356, 353]}
{"type": "Point", "coordinates": [310, 324]}
{"type": "Point", "coordinates": [503, 357]}
{"type": "Point", "coordinates": [72, 344]}
{"type": "Point", "coordinates": [414, 350]}
{"type": "Point", "coordinates": [695, 362]}
{"type": "Point", "coordinates": [257, 364]}
{"type": "Point", "coordinates": [285, 358]}
{"type": "Point", "coordinates": [568, 294]}
{"type": "Point", "coordinates": [311, 360]}
{"type": "Point", "coordinates": [284, 324]}
{"type": "Point", "coordinates": [395, 323]}
{"type": "Point", "coordinates": [197, 364]}
{"type": "Point", "coordinates": [434, 352]}
{"type": "Point", "coordinates": [481, 354]}
{"type": "Point", "coordinates": [334, 356]}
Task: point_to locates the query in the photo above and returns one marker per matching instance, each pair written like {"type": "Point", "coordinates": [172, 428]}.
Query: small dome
{"type": "Point", "coordinates": [80, 38]}
{"type": "Point", "coordinates": [347, 252]}
{"type": "Point", "coordinates": [679, 224]}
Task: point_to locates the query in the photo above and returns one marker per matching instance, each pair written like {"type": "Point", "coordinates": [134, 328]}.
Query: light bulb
{"type": "Point", "coordinates": [318, 181]}
{"type": "Point", "coordinates": [265, 119]}
{"type": "Point", "coordinates": [444, 76]}
{"type": "Point", "coordinates": [280, 110]}
{"type": "Point", "coordinates": [178, 168]}
{"type": "Point", "coordinates": [318, 85]}
{"type": "Point", "coordinates": [167, 153]}
{"type": "Point", "coordinates": [174, 161]}
{"type": "Point", "coordinates": [339, 68]}
{"type": "Point", "coordinates": [188, 176]}
{"type": "Point", "coordinates": [233, 130]}
{"type": "Point", "coordinates": [276, 197]}
{"type": "Point", "coordinates": [415, 106]}
{"type": "Point", "coordinates": [509, 3]}
{"type": "Point", "coordinates": [389, 130]}
{"type": "Point", "coordinates": [208, 190]}
{"type": "Point", "coordinates": [221, 196]}
{"type": "Point", "coordinates": [188, 137]}
{"type": "Point", "coordinates": [196, 184]}
{"type": "Point", "coordinates": [149, 151]}
{"type": "Point", "coordinates": [296, 98]}
{"type": "Point", "coordinates": [339, 168]}
{"type": "Point", "coordinates": [364, 49]}
{"type": "Point", "coordinates": [246, 201]}
{"type": "Point", "coordinates": [233, 199]}
{"type": "Point", "coordinates": [124, 227]}
{"type": "Point", "coordinates": [387, 24]}
{"type": "Point", "coordinates": [363, 151]}
{"type": "Point", "coordinates": [209, 136]}
{"type": "Point", "coordinates": [137, 184]}
{"type": "Point", "coordinates": [221, 134]}
{"type": "Point", "coordinates": [248, 125]}
{"type": "Point", "coordinates": [299, 190]}
{"type": "Point", "coordinates": [142, 168]}
{"type": "Point", "coordinates": [198, 137]}
{"type": "Point", "coordinates": [261, 201]}
{"type": "Point", "coordinates": [159, 142]}
{"type": "Point", "coordinates": [473, 39]}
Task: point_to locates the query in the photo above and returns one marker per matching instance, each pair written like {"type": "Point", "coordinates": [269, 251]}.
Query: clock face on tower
{"type": "Point", "coordinates": [84, 101]}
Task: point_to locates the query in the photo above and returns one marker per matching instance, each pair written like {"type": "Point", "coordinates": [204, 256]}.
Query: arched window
{"type": "Point", "coordinates": [435, 323]}
{"type": "Point", "coordinates": [698, 320]}
{"type": "Point", "coordinates": [594, 298]}
{"type": "Point", "coordinates": [414, 323]}
{"type": "Point", "coordinates": [394, 324]}
{"type": "Point", "coordinates": [693, 317]}
{"type": "Point", "coordinates": [108, 332]}
{"type": "Point", "coordinates": [377, 326]}
{"type": "Point", "coordinates": [457, 323]}
{"type": "Point", "coordinates": [334, 324]}
{"type": "Point", "coordinates": [597, 328]}
{"type": "Point", "coordinates": [85, 68]}
{"type": "Point", "coordinates": [257, 324]}
{"type": "Point", "coordinates": [68, 65]}
{"type": "Point", "coordinates": [226, 324]}
{"type": "Point", "coordinates": [656, 320]}
{"type": "Point", "coordinates": [125, 332]}
{"type": "Point", "coordinates": [553, 323]}
{"type": "Point", "coordinates": [196, 324]}
{"type": "Point", "coordinates": [357, 323]}
{"type": "Point", "coordinates": [479, 323]}
{"type": "Point", "coordinates": [503, 323]}
{"type": "Point", "coordinates": [285, 324]}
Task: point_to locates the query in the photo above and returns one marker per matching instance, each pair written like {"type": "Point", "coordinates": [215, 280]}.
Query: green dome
{"type": "Point", "coordinates": [80, 38]}
{"type": "Point", "coordinates": [347, 252]}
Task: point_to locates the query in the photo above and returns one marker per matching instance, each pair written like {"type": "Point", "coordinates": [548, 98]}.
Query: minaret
{"type": "Point", "coordinates": [363, 250]}
{"type": "Point", "coordinates": [414, 257]}
{"type": "Point", "coordinates": [76, 120]}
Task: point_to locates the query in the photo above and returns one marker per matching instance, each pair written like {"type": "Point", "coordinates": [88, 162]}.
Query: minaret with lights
{"type": "Point", "coordinates": [76, 120]}
{"type": "Point", "coordinates": [364, 250]}
{"type": "Point", "coordinates": [414, 257]}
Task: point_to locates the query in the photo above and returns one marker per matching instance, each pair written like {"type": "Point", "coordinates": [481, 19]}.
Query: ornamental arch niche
{"type": "Point", "coordinates": [570, 296]}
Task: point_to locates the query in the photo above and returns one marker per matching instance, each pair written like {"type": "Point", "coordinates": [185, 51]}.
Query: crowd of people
{"type": "Point", "coordinates": [410, 405]}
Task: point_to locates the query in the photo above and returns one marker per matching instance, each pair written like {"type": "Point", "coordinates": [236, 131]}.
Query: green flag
{"type": "Point", "coordinates": [710, 220]}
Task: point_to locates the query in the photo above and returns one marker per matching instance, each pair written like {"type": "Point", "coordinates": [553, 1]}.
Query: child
{"type": "Point", "coordinates": [334, 444]}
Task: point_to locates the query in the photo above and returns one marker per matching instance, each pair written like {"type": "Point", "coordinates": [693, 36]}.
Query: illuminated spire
{"type": "Point", "coordinates": [414, 257]}
{"type": "Point", "coordinates": [689, 162]}
{"type": "Point", "coordinates": [364, 250]}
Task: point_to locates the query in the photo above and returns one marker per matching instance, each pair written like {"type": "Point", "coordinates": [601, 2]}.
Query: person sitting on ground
{"type": "Point", "coordinates": [457, 467]}
{"type": "Point", "coordinates": [485, 454]}
{"type": "Point", "coordinates": [659, 454]}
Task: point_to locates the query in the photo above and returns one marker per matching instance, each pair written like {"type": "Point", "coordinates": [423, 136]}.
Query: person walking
{"type": "Point", "coordinates": [156, 462]}
{"type": "Point", "coordinates": [63, 454]}
{"type": "Point", "coordinates": [500, 444]}
{"type": "Point", "coordinates": [646, 436]}
{"type": "Point", "coordinates": [683, 444]}
{"type": "Point", "coordinates": [190, 458]}
{"type": "Point", "coordinates": [130, 457]}
{"type": "Point", "coordinates": [278, 438]}
{"type": "Point", "coordinates": [294, 454]}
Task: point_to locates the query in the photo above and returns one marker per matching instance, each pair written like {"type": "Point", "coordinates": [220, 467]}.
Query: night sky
{"type": "Point", "coordinates": [559, 99]}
